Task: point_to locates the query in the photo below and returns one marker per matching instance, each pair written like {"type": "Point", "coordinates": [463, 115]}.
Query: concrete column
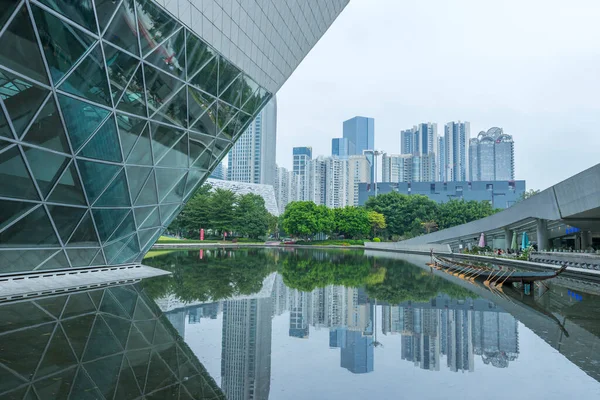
{"type": "Point", "coordinates": [586, 240]}
{"type": "Point", "coordinates": [508, 235]}
{"type": "Point", "coordinates": [542, 234]}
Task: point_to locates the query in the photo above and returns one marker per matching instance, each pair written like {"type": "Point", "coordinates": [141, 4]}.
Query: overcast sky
{"type": "Point", "coordinates": [531, 67]}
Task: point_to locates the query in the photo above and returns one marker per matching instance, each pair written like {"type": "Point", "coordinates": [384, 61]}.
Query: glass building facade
{"type": "Point", "coordinates": [111, 114]}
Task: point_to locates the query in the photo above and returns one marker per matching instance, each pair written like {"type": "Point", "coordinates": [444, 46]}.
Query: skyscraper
{"type": "Point", "coordinates": [493, 155]}
{"type": "Point", "coordinates": [407, 142]}
{"type": "Point", "coordinates": [336, 182]}
{"type": "Point", "coordinates": [342, 147]}
{"type": "Point", "coordinates": [456, 140]}
{"type": "Point", "coordinates": [118, 112]}
{"type": "Point", "coordinates": [302, 155]}
{"type": "Point", "coordinates": [357, 356]}
{"type": "Point", "coordinates": [441, 159]}
{"type": "Point", "coordinates": [252, 158]}
{"type": "Point", "coordinates": [360, 131]}
{"type": "Point", "coordinates": [359, 171]}
{"type": "Point", "coordinates": [315, 180]}
{"type": "Point", "coordinates": [397, 168]}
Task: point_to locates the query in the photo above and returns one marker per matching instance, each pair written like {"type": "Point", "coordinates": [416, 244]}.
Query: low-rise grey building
{"type": "Point", "coordinates": [502, 194]}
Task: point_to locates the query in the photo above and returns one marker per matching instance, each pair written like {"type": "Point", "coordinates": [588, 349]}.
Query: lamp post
{"type": "Point", "coordinates": [375, 153]}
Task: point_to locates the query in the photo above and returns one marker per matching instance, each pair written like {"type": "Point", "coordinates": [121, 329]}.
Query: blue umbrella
{"type": "Point", "coordinates": [525, 241]}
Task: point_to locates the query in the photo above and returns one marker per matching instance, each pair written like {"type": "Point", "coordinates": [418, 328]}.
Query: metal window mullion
{"type": "Point", "coordinates": [25, 214]}
{"type": "Point", "coordinates": [11, 18]}
{"type": "Point", "coordinates": [26, 78]}
{"type": "Point", "coordinates": [110, 20]}
{"type": "Point", "coordinates": [158, 45]}
{"type": "Point", "coordinates": [83, 100]}
{"type": "Point", "coordinates": [114, 178]}
{"type": "Point", "coordinates": [8, 119]}
{"type": "Point", "coordinates": [37, 113]}
{"type": "Point", "coordinates": [48, 259]}
{"type": "Point", "coordinates": [167, 100]}
{"type": "Point", "coordinates": [116, 103]}
{"type": "Point", "coordinates": [77, 226]}
{"type": "Point", "coordinates": [64, 19]}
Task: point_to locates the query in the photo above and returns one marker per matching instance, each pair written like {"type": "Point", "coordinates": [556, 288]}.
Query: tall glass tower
{"type": "Point", "coordinates": [113, 112]}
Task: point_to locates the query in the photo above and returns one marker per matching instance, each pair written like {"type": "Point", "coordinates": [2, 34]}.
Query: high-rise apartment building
{"type": "Point", "coordinates": [396, 167]}
{"type": "Point", "coordinates": [456, 141]}
{"type": "Point", "coordinates": [493, 153]}
{"type": "Point", "coordinates": [359, 171]}
{"type": "Point", "coordinates": [342, 147]}
{"type": "Point", "coordinates": [407, 141]}
{"type": "Point", "coordinates": [302, 155]}
{"type": "Point", "coordinates": [441, 159]}
{"type": "Point", "coordinates": [118, 112]}
{"type": "Point", "coordinates": [252, 158]}
{"type": "Point", "coordinates": [336, 182]}
{"type": "Point", "coordinates": [316, 180]}
{"type": "Point", "coordinates": [422, 143]}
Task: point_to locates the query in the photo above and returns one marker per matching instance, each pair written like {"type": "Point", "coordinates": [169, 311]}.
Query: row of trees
{"type": "Point", "coordinates": [221, 211]}
{"type": "Point", "coordinates": [305, 219]}
{"type": "Point", "coordinates": [408, 216]}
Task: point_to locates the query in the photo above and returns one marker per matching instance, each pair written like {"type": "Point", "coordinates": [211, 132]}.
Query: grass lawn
{"type": "Point", "coordinates": [348, 242]}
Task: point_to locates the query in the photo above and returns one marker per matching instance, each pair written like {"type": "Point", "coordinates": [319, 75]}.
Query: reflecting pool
{"type": "Point", "coordinates": [301, 324]}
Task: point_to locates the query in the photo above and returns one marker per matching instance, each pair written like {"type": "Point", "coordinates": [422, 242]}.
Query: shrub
{"type": "Point", "coordinates": [376, 240]}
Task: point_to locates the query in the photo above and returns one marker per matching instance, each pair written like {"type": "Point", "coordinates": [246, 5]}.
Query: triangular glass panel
{"type": "Point", "coordinates": [68, 190]}
{"type": "Point", "coordinates": [54, 305]}
{"type": "Point", "coordinates": [159, 375]}
{"type": "Point", "coordinates": [225, 113]}
{"type": "Point", "coordinates": [22, 99]}
{"type": "Point", "coordinates": [129, 252]}
{"type": "Point", "coordinates": [83, 387]}
{"type": "Point", "coordinates": [46, 167]}
{"type": "Point", "coordinates": [58, 355]}
{"type": "Point", "coordinates": [78, 331]}
{"type": "Point", "coordinates": [136, 340]}
{"type": "Point", "coordinates": [193, 180]}
{"type": "Point", "coordinates": [170, 55]}
{"type": "Point", "coordinates": [129, 131]}
{"type": "Point", "coordinates": [112, 250]}
{"type": "Point", "coordinates": [59, 261]}
{"type": "Point", "coordinates": [78, 304]}
{"type": "Point", "coordinates": [105, 9]}
{"type": "Point", "coordinates": [158, 23]}
{"type": "Point", "coordinates": [88, 80]}
{"type": "Point", "coordinates": [33, 230]}
{"type": "Point", "coordinates": [81, 257]}
{"type": "Point", "coordinates": [137, 177]}
{"type": "Point", "coordinates": [123, 30]}
{"type": "Point", "coordinates": [142, 151]}
{"type": "Point", "coordinates": [166, 179]}
{"type": "Point", "coordinates": [19, 48]}
{"type": "Point", "coordinates": [105, 373]}
{"type": "Point", "coordinates": [167, 212]}
{"type": "Point", "coordinates": [66, 219]}
{"type": "Point", "coordinates": [139, 360]}
{"type": "Point", "coordinates": [174, 111]}
{"type": "Point", "coordinates": [104, 145]}
{"type": "Point", "coordinates": [142, 213]}
{"type": "Point", "coordinates": [163, 138]}
{"type": "Point", "coordinates": [5, 130]}
{"type": "Point", "coordinates": [203, 162]}
{"type": "Point", "coordinates": [228, 73]}
{"type": "Point", "coordinates": [56, 386]}
{"type": "Point", "coordinates": [207, 78]}
{"type": "Point", "coordinates": [101, 342]}
{"type": "Point", "coordinates": [134, 99]}
{"type": "Point", "coordinates": [221, 147]}
{"type": "Point", "coordinates": [62, 43]}
{"type": "Point", "coordinates": [126, 228]}
{"type": "Point", "coordinates": [107, 220]}
{"type": "Point", "coordinates": [117, 194]}
{"type": "Point", "coordinates": [30, 341]}
{"type": "Point", "coordinates": [198, 53]}
{"type": "Point", "coordinates": [250, 88]}
{"type": "Point", "coordinates": [233, 94]}
{"type": "Point", "coordinates": [11, 210]}
{"type": "Point", "coordinates": [153, 220]}
{"type": "Point", "coordinates": [142, 312]}
{"type": "Point", "coordinates": [81, 118]}
{"type": "Point", "coordinates": [161, 336]}
{"type": "Point", "coordinates": [121, 67]}
{"type": "Point", "coordinates": [232, 128]}
{"type": "Point", "coordinates": [96, 176]}
{"type": "Point", "coordinates": [254, 103]}
{"type": "Point", "coordinates": [119, 327]}
{"type": "Point", "coordinates": [160, 87]}
{"type": "Point", "coordinates": [127, 298]}
{"type": "Point", "coordinates": [200, 103]}
{"type": "Point", "coordinates": [47, 129]}
{"type": "Point", "coordinates": [23, 260]}
{"type": "Point", "coordinates": [176, 194]}
{"type": "Point", "coordinates": [80, 12]}
{"type": "Point", "coordinates": [177, 156]}
{"type": "Point", "coordinates": [148, 195]}
{"type": "Point", "coordinates": [8, 7]}
{"type": "Point", "coordinates": [128, 387]}
{"type": "Point", "coordinates": [147, 235]}
{"type": "Point", "coordinates": [98, 260]}
{"type": "Point", "coordinates": [198, 144]}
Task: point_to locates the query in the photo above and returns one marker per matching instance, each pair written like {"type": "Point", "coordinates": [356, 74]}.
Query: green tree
{"type": "Point", "coordinates": [300, 219]}
{"type": "Point", "coordinates": [251, 217]}
{"type": "Point", "coordinates": [195, 214]}
{"type": "Point", "coordinates": [527, 194]}
{"type": "Point", "coordinates": [352, 222]}
{"type": "Point", "coordinates": [221, 204]}
{"type": "Point", "coordinates": [458, 212]}
{"type": "Point", "coordinates": [377, 221]}
{"type": "Point", "coordinates": [325, 220]}
{"type": "Point", "coordinates": [403, 213]}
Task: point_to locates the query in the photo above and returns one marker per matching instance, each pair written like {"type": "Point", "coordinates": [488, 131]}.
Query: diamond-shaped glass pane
{"type": "Point", "coordinates": [85, 234]}
{"type": "Point", "coordinates": [112, 250]}
{"type": "Point", "coordinates": [160, 87]}
{"type": "Point", "coordinates": [19, 48]}
{"type": "Point", "coordinates": [166, 179]}
{"type": "Point", "coordinates": [233, 94]}
{"type": "Point", "coordinates": [66, 219]}
{"type": "Point", "coordinates": [58, 355]}
{"type": "Point", "coordinates": [141, 213]}
{"type": "Point", "coordinates": [21, 98]}
{"type": "Point", "coordinates": [134, 99]}
{"type": "Point", "coordinates": [147, 195]}
{"type": "Point", "coordinates": [193, 181]}
{"type": "Point", "coordinates": [123, 30]}
{"type": "Point", "coordinates": [176, 194]}
{"type": "Point", "coordinates": [129, 131]}
{"type": "Point", "coordinates": [207, 78]}
{"type": "Point", "coordinates": [202, 111]}
{"type": "Point", "coordinates": [163, 138]}
{"type": "Point", "coordinates": [47, 129]}
{"type": "Point", "coordinates": [121, 67]}
{"type": "Point", "coordinates": [116, 195]}
{"type": "Point", "coordinates": [34, 229]}
{"type": "Point", "coordinates": [228, 73]}
{"type": "Point", "coordinates": [198, 53]}
{"type": "Point", "coordinates": [96, 176]}
{"type": "Point", "coordinates": [14, 178]}
{"type": "Point", "coordinates": [129, 252]}
{"type": "Point", "coordinates": [62, 43]}
{"type": "Point", "coordinates": [81, 118]}
{"type": "Point", "coordinates": [80, 11]}
{"type": "Point", "coordinates": [155, 23]}
{"type": "Point", "coordinates": [68, 190]}
{"type": "Point", "coordinates": [104, 145]}
{"type": "Point", "coordinates": [107, 220]}
{"type": "Point", "coordinates": [141, 154]}
{"type": "Point", "coordinates": [170, 55]}
{"type": "Point", "coordinates": [137, 177]}
{"type": "Point", "coordinates": [46, 167]}
{"type": "Point", "coordinates": [88, 80]}
{"type": "Point", "coordinates": [153, 220]}
{"type": "Point", "coordinates": [177, 156]}
{"type": "Point", "coordinates": [174, 111]}
{"type": "Point", "coordinates": [167, 213]}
